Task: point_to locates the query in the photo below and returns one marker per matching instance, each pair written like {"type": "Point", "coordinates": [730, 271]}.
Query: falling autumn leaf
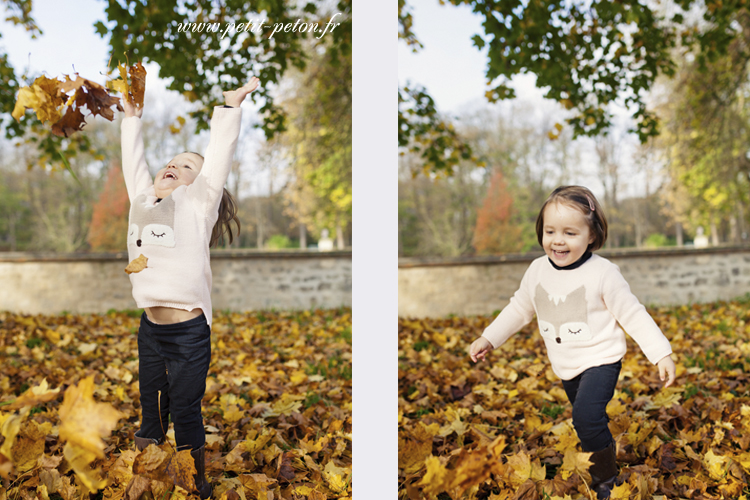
{"type": "Point", "coordinates": [48, 97]}
{"type": "Point", "coordinates": [137, 265]}
{"type": "Point", "coordinates": [83, 421]}
{"type": "Point", "coordinates": [134, 91]}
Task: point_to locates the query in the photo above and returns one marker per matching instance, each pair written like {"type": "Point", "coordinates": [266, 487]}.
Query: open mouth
{"type": "Point", "coordinates": [170, 175]}
{"type": "Point", "coordinates": [560, 253]}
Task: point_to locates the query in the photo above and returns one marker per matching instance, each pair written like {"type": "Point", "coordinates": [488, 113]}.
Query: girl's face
{"type": "Point", "coordinates": [180, 171]}
{"type": "Point", "coordinates": [566, 234]}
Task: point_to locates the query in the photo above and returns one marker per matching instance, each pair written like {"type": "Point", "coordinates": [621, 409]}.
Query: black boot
{"type": "Point", "coordinates": [603, 471]}
{"type": "Point", "coordinates": [141, 443]}
{"type": "Point", "coordinates": [201, 483]}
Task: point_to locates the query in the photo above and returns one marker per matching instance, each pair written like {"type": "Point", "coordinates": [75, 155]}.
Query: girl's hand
{"type": "Point", "coordinates": [479, 349]}
{"type": "Point", "coordinates": [131, 110]}
{"type": "Point", "coordinates": [666, 369]}
{"type": "Point", "coordinates": [235, 97]}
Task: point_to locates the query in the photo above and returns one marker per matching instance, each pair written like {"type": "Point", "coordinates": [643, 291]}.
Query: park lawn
{"type": "Point", "coordinates": [501, 429]}
{"type": "Point", "coordinates": [277, 410]}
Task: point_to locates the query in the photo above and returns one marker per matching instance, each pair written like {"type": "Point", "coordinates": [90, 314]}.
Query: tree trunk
{"type": "Point", "coordinates": [638, 234]}
{"type": "Point", "coordinates": [302, 236]}
{"type": "Point", "coordinates": [259, 226]}
{"type": "Point", "coordinates": [339, 237]}
{"type": "Point", "coordinates": [714, 234]}
{"type": "Point", "coordinates": [741, 221]}
{"type": "Point", "coordinates": [679, 235]}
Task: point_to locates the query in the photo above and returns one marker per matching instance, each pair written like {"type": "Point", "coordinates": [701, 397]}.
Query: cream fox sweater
{"type": "Point", "coordinates": [581, 314]}
{"type": "Point", "coordinates": [174, 233]}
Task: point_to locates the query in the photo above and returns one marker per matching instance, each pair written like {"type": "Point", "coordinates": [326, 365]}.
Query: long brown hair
{"type": "Point", "coordinates": [227, 213]}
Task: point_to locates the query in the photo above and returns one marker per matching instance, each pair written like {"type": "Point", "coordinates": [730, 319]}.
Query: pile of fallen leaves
{"type": "Point", "coordinates": [502, 428]}
{"type": "Point", "coordinates": [277, 409]}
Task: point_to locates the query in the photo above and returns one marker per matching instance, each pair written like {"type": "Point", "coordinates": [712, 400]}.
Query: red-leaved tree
{"type": "Point", "coordinates": [109, 223]}
{"type": "Point", "coordinates": [495, 231]}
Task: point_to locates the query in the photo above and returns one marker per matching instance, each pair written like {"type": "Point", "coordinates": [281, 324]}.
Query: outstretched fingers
{"type": "Point", "coordinates": [234, 98]}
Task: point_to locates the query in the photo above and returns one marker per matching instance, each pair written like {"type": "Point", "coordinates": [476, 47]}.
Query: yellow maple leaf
{"type": "Point", "coordinates": [665, 398]}
{"type": "Point", "coordinates": [455, 424]}
{"type": "Point", "coordinates": [412, 454]}
{"type": "Point", "coordinates": [83, 421]}
{"type": "Point", "coordinates": [285, 405]}
{"type": "Point", "coordinates": [336, 477]}
{"type": "Point", "coordinates": [257, 485]}
{"type": "Point", "coordinates": [122, 471]}
{"type": "Point", "coordinates": [621, 492]}
{"type": "Point", "coordinates": [181, 470]}
{"type": "Point", "coordinates": [231, 406]}
{"type": "Point", "coordinates": [43, 96]}
{"type": "Point", "coordinates": [715, 464]}
{"type": "Point", "coordinates": [29, 444]}
{"type": "Point", "coordinates": [10, 427]}
{"type": "Point", "coordinates": [575, 463]}
{"type": "Point", "coordinates": [27, 98]}
{"type": "Point", "coordinates": [436, 476]}
{"type": "Point", "coordinates": [524, 468]}
{"type": "Point", "coordinates": [121, 84]}
{"type": "Point", "coordinates": [253, 445]}
{"type": "Point", "coordinates": [80, 459]}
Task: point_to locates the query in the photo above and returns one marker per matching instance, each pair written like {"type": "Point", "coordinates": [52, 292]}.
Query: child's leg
{"type": "Point", "coordinates": [152, 378]}
{"type": "Point", "coordinates": [187, 349]}
{"type": "Point", "coordinates": [589, 394]}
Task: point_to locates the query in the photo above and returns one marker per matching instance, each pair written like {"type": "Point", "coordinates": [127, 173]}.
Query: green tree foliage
{"type": "Point", "coordinates": [705, 140]}
{"type": "Point", "coordinates": [422, 131]}
{"type": "Point", "coordinates": [202, 49]}
{"type": "Point", "coordinates": [587, 55]}
{"type": "Point", "coordinates": [318, 144]}
{"type": "Point", "coordinates": [19, 13]}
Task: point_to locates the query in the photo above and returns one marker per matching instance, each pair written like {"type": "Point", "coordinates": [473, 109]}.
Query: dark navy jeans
{"type": "Point", "coordinates": [589, 394]}
{"type": "Point", "coordinates": [174, 359]}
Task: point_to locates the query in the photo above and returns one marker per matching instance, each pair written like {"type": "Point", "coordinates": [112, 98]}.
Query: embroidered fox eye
{"type": "Point", "coordinates": [157, 235]}
{"type": "Point", "coordinates": [574, 333]}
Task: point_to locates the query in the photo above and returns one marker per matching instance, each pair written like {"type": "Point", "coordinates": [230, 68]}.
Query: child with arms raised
{"type": "Point", "coordinates": [580, 300]}
{"type": "Point", "coordinates": [174, 218]}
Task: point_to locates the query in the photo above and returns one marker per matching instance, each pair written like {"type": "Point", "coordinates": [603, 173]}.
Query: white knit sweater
{"type": "Point", "coordinates": [174, 233]}
{"type": "Point", "coordinates": [580, 312]}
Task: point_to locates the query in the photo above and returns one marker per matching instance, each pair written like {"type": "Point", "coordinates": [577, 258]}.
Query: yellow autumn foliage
{"type": "Point", "coordinates": [70, 407]}
{"type": "Point", "coordinates": [691, 440]}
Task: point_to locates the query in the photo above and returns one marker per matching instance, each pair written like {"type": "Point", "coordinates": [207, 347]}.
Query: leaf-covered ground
{"type": "Point", "coordinates": [502, 428]}
{"type": "Point", "coordinates": [277, 409]}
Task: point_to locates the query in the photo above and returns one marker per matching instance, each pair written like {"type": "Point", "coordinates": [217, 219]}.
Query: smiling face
{"type": "Point", "coordinates": [566, 234]}
{"type": "Point", "coordinates": [180, 171]}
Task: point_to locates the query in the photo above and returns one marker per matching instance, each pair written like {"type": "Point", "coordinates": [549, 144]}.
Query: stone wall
{"type": "Point", "coordinates": [243, 280]}
{"type": "Point", "coordinates": [481, 285]}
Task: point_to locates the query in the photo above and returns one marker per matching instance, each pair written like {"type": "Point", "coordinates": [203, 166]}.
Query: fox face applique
{"type": "Point", "coordinates": [562, 318]}
{"type": "Point", "coordinates": [152, 225]}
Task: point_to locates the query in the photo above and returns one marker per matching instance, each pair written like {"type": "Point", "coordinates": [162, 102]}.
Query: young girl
{"type": "Point", "coordinates": [580, 300]}
{"type": "Point", "coordinates": [172, 221]}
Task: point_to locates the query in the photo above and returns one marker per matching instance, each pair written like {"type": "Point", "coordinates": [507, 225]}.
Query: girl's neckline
{"type": "Point", "coordinates": [586, 256]}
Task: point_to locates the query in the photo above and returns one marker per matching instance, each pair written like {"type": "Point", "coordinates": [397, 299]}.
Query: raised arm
{"type": "Point", "coordinates": [134, 167]}
{"type": "Point", "coordinates": [225, 128]}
